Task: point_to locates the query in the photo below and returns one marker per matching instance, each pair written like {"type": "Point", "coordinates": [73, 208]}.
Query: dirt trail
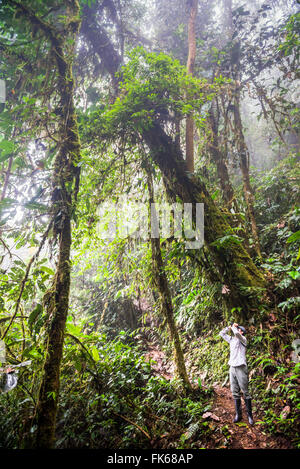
{"type": "Point", "coordinates": [240, 435]}
{"type": "Point", "coordinates": [161, 367]}
{"type": "Point", "coordinates": [226, 434]}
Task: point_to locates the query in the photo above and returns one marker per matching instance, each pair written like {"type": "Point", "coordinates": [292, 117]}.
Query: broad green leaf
{"type": "Point", "coordinates": [38, 310]}
{"type": "Point", "coordinates": [294, 237]}
{"type": "Point", "coordinates": [74, 330]}
{"type": "Point", "coordinates": [46, 269]}
{"type": "Point", "coordinates": [95, 354]}
{"type": "Point", "coordinates": [294, 274]}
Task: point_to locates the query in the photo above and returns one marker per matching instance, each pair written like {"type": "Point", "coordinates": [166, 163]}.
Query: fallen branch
{"type": "Point", "coordinates": [133, 423]}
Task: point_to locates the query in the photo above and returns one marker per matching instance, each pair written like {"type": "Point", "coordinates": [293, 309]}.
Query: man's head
{"type": "Point", "coordinates": [242, 330]}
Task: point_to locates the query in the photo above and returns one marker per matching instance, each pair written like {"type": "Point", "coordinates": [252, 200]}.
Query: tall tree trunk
{"type": "Point", "coordinates": [238, 126]}
{"type": "Point", "coordinates": [189, 135]}
{"type": "Point", "coordinates": [161, 283]}
{"type": "Point", "coordinates": [58, 309]}
{"type": "Point", "coordinates": [65, 187]}
{"type": "Point", "coordinates": [219, 157]}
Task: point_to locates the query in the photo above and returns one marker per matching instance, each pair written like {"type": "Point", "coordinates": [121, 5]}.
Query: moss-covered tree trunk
{"type": "Point", "coordinates": [161, 283]}
{"type": "Point", "coordinates": [65, 187]}
{"type": "Point", "coordinates": [58, 308]}
{"type": "Point", "coordinates": [65, 183]}
{"type": "Point", "coordinates": [236, 268]}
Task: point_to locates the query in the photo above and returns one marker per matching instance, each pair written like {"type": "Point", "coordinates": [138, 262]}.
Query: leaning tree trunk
{"type": "Point", "coordinates": [162, 285]}
{"type": "Point", "coordinates": [236, 268]}
{"type": "Point", "coordinates": [189, 134]}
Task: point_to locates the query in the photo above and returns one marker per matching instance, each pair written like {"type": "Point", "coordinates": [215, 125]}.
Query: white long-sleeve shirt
{"type": "Point", "coordinates": [238, 345]}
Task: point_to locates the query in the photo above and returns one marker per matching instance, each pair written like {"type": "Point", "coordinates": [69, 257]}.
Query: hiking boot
{"type": "Point", "coordinates": [249, 410]}
{"type": "Point", "coordinates": [238, 410]}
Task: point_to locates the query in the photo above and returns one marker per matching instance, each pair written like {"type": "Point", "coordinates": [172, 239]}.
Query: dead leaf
{"type": "Point", "coordinates": [210, 415]}
{"type": "Point", "coordinates": [285, 412]}
{"type": "Point", "coordinates": [272, 317]}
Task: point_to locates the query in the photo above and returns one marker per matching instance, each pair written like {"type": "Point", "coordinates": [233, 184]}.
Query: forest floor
{"type": "Point", "coordinates": [226, 434]}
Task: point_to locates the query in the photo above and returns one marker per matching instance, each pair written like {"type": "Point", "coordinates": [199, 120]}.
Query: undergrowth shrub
{"type": "Point", "coordinates": [117, 402]}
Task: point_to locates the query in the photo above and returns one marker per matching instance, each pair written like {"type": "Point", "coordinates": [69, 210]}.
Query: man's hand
{"type": "Point", "coordinates": [9, 370]}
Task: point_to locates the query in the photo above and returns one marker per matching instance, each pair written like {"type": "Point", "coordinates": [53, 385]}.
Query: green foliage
{"type": "Point", "coordinates": [291, 42]}
{"type": "Point", "coordinates": [154, 87]}
{"type": "Point", "coordinates": [118, 388]}
{"type": "Point", "coordinates": [209, 356]}
{"type": "Point", "coordinates": [196, 305]}
{"type": "Point", "coordinates": [227, 240]}
{"type": "Point", "coordinates": [280, 401]}
{"type": "Point", "coordinates": [277, 191]}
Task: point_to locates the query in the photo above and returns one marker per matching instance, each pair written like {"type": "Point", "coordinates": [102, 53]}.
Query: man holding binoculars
{"type": "Point", "coordinates": [238, 369]}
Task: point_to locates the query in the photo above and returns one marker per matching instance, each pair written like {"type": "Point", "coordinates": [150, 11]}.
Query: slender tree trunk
{"type": "Point", "coordinates": [219, 159]}
{"type": "Point", "coordinates": [162, 285]}
{"type": "Point", "coordinates": [189, 135]}
{"type": "Point", "coordinates": [58, 308]}
{"type": "Point", "coordinates": [244, 165]}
